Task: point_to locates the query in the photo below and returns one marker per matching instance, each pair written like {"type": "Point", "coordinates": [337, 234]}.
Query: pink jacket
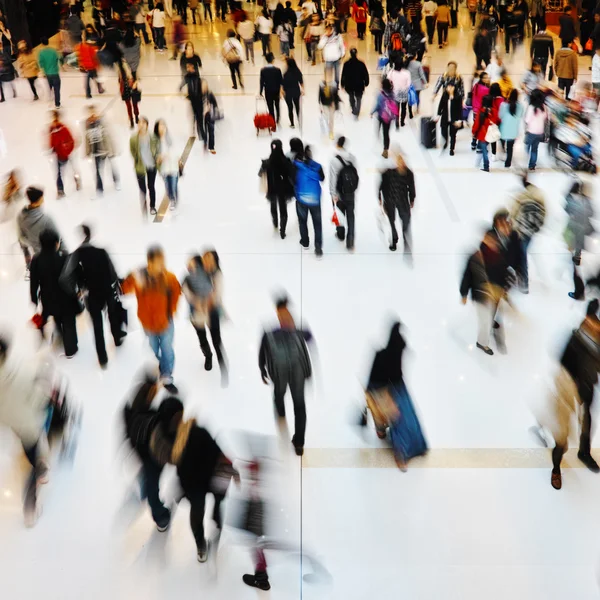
{"type": "Point", "coordinates": [480, 91]}
{"type": "Point", "coordinates": [400, 80]}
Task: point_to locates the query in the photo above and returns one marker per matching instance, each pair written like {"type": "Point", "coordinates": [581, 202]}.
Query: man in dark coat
{"type": "Point", "coordinates": [355, 78]}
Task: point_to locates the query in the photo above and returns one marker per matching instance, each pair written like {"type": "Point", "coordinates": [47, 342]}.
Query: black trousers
{"type": "Point", "coordinates": [149, 483]}
{"type": "Point", "coordinates": [509, 145]}
{"type": "Point", "coordinates": [449, 131]}
{"type": "Point", "coordinates": [385, 128]}
{"type": "Point", "coordinates": [390, 210]}
{"type": "Point", "coordinates": [584, 438]}
{"type": "Point", "coordinates": [442, 29]}
{"type": "Point", "coordinates": [265, 40]}
{"type": "Point", "coordinates": [430, 26]}
{"type": "Point", "coordinates": [403, 107]}
{"type": "Point", "coordinates": [273, 104]}
{"type": "Point", "coordinates": [293, 102]}
{"type": "Point", "coordinates": [197, 506]}
{"type": "Point", "coordinates": [279, 220]}
{"type": "Point", "coordinates": [67, 329]}
{"type": "Point", "coordinates": [295, 381]}
{"type": "Point", "coordinates": [355, 101]}
{"type": "Point", "coordinates": [346, 207]}
{"type": "Point", "coordinates": [234, 69]}
{"type": "Point", "coordinates": [96, 309]}
{"type": "Point", "coordinates": [378, 40]}
{"type": "Point", "coordinates": [150, 177]}
{"type": "Point", "coordinates": [482, 59]}
{"type": "Point", "coordinates": [214, 326]}
{"type": "Point", "coordinates": [361, 29]}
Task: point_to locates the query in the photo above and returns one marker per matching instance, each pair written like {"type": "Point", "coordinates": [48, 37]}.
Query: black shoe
{"type": "Point", "coordinates": [496, 325]}
{"type": "Point", "coordinates": [153, 211]}
{"type": "Point", "coordinates": [203, 552]}
{"type": "Point", "coordinates": [445, 146]}
{"type": "Point", "coordinates": [103, 364]}
{"type": "Point", "coordinates": [588, 461]}
{"type": "Point", "coordinates": [393, 246]}
{"type": "Point", "coordinates": [164, 525]}
{"type": "Point", "coordinates": [208, 363]}
{"type": "Point", "coordinates": [319, 253]}
{"type": "Point", "coordinates": [485, 170]}
{"type": "Point", "coordinates": [282, 235]}
{"type": "Point", "coordinates": [451, 152]}
{"type": "Point", "coordinates": [259, 580]}
{"type": "Point", "coordinates": [575, 296]}
{"type": "Point", "coordinates": [486, 349]}
{"type": "Point", "coordinates": [171, 388]}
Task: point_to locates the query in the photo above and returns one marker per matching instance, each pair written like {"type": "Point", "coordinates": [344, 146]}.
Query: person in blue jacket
{"type": "Point", "coordinates": [309, 175]}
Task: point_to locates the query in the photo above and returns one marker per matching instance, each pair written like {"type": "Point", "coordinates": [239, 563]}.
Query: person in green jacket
{"type": "Point", "coordinates": [144, 150]}
{"type": "Point", "coordinates": [49, 63]}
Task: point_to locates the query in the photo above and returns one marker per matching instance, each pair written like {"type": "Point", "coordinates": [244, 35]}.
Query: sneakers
{"type": "Point", "coordinates": [203, 552]}
{"type": "Point", "coordinates": [172, 205]}
{"type": "Point", "coordinates": [164, 525]}
{"type": "Point", "coordinates": [588, 461]}
{"type": "Point", "coordinates": [259, 580]}
{"type": "Point", "coordinates": [171, 387]}
{"type": "Point", "coordinates": [208, 363]}
{"type": "Point", "coordinates": [319, 253]}
{"type": "Point", "coordinates": [153, 211]}
{"type": "Point", "coordinates": [384, 154]}
{"type": "Point", "coordinates": [556, 480]}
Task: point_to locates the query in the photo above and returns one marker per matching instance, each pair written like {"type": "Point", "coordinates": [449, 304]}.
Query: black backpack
{"type": "Point", "coordinates": [347, 181]}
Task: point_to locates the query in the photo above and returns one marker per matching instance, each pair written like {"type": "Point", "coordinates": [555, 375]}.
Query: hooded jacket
{"type": "Point", "coordinates": [30, 223]}
{"type": "Point", "coordinates": [309, 175]}
{"type": "Point", "coordinates": [565, 64]}
{"type": "Point", "coordinates": [529, 211]}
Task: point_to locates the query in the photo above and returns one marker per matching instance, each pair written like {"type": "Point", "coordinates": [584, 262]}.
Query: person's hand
{"type": "Point", "coordinates": [412, 204]}
{"type": "Point", "coordinates": [265, 378]}
{"type": "Point", "coordinates": [463, 300]}
{"type": "Point", "coordinates": [335, 200]}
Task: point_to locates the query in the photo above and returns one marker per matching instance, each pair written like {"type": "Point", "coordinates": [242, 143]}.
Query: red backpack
{"type": "Point", "coordinates": [361, 14]}
{"type": "Point", "coordinates": [396, 42]}
{"type": "Point", "coordinates": [62, 142]}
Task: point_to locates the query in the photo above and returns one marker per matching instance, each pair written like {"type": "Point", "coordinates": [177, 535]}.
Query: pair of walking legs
{"type": "Point", "coordinates": [295, 381]}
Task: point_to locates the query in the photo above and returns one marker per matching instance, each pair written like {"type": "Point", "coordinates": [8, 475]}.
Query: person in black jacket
{"type": "Point", "coordinates": [189, 56]}
{"type": "Point", "coordinates": [482, 46]}
{"type": "Point", "coordinates": [293, 88]}
{"type": "Point", "coordinates": [542, 47]}
{"type": "Point", "coordinates": [451, 116]}
{"type": "Point", "coordinates": [397, 193]}
{"type": "Point", "coordinates": [279, 172]}
{"type": "Point", "coordinates": [568, 31]}
{"type": "Point", "coordinates": [289, 16]}
{"type": "Point", "coordinates": [90, 268]}
{"type": "Point", "coordinates": [140, 420]}
{"type": "Point", "coordinates": [193, 83]}
{"type": "Point", "coordinates": [355, 78]}
{"type": "Point", "coordinates": [46, 268]}
{"type": "Point", "coordinates": [271, 80]}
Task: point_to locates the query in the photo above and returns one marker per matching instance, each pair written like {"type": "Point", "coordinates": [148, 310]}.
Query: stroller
{"type": "Point", "coordinates": [570, 145]}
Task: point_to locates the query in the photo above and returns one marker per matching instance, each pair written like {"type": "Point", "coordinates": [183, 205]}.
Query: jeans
{"type": "Point", "coordinates": [532, 142]}
{"type": "Point", "coordinates": [197, 505]}
{"type": "Point", "coordinates": [60, 164]}
{"type": "Point", "coordinates": [295, 380]}
{"type": "Point", "coordinates": [265, 40]}
{"type": "Point", "coordinates": [162, 346]}
{"type": "Point", "coordinates": [54, 85]}
{"type": "Point", "coordinates": [89, 75]}
{"type": "Point", "coordinates": [390, 210]}
{"type": "Point", "coordinates": [214, 326]}
{"type": "Point", "coordinates": [249, 47]}
{"type": "Point", "coordinates": [335, 66]}
{"type": "Point", "coordinates": [284, 48]}
{"type": "Point", "coordinates": [430, 26]}
{"type": "Point", "coordinates": [234, 69]}
{"type": "Point", "coordinates": [149, 487]}
{"type": "Point", "coordinates": [510, 145]}
{"type": "Point", "coordinates": [302, 211]}
{"type": "Point", "coordinates": [114, 317]}
{"type": "Point", "coordinates": [293, 102]}
{"type": "Point", "coordinates": [281, 219]}
{"type": "Point", "coordinates": [483, 148]}
{"type": "Point", "coordinates": [346, 207]}
{"type": "Point", "coordinates": [385, 127]}
{"type": "Point", "coordinates": [272, 100]}
{"type": "Point", "coordinates": [99, 161]}
{"type": "Point", "coordinates": [159, 37]}
{"type": "Point", "coordinates": [378, 40]}
{"type": "Point", "coordinates": [442, 30]}
{"type": "Point", "coordinates": [149, 176]}
{"type": "Point", "coordinates": [355, 102]}
{"type": "Point", "coordinates": [171, 187]}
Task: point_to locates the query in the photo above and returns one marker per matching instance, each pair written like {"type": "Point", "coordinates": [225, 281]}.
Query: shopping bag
{"type": "Point", "coordinates": [382, 63]}
{"type": "Point", "coordinates": [383, 224]}
{"type": "Point", "coordinates": [493, 133]}
{"type": "Point", "coordinates": [412, 96]}
{"type": "Point", "coordinates": [334, 219]}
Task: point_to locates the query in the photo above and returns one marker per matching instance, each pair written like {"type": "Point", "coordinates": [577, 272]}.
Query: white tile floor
{"type": "Point", "coordinates": [429, 534]}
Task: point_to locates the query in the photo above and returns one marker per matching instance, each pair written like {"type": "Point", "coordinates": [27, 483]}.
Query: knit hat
{"type": "Point", "coordinates": [34, 194]}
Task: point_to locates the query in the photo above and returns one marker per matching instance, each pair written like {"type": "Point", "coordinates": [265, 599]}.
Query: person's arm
{"type": "Point", "coordinates": [321, 174]}
{"type": "Point", "coordinates": [366, 79]}
{"type": "Point", "coordinates": [466, 282]}
{"type": "Point", "coordinates": [334, 169]}
{"type": "Point", "coordinates": [129, 285]}
{"type": "Point", "coordinates": [412, 192]}
{"type": "Point", "coordinates": [262, 359]}
{"type": "Point", "coordinates": [175, 292]}
{"type": "Point", "coordinates": [262, 81]}
{"type": "Point", "coordinates": [34, 281]}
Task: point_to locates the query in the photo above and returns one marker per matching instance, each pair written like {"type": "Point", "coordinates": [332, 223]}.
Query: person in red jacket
{"type": "Point", "coordinates": [479, 90]}
{"type": "Point", "coordinates": [481, 125]}
{"type": "Point", "coordinates": [360, 14]}
{"type": "Point", "coordinates": [87, 55]}
{"type": "Point", "coordinates": [497, 100]}
{"type": "Point", "coordinates": [62, 144]}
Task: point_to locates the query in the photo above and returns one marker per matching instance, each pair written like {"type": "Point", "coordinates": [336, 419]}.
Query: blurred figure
{"type": "Point", "coordinates": [307, 191]}
{"type": "Point", "coordinates": [387, 112]}
{"type": "Point", "coordinates": [355, 78]}
{"type": "Point", "coordinates": [130, 94]}
{"type": "Point", "coordinates": [450, 113]}
{"type": "Point", "coordinates": [87, 56]}
{"type": "Point", "coordinates": [271, 80]}
{"type": "Point", "coordinates": [157, 291]}
{"type": "Point", "coordinates": [284, 359]}
{"type": "Point", "coordinates": [143, 146]}
{"type": "Point", "coordinates": [329, 102]}
{"type": "Point", "coordinates": [333, 50]}
{"type": "Point", "coordinates": [24, 399]}
{"type": "Point", "coordinates": [580, 212]}
{"type": "Point", "coordinates": [232, 54]}
{"type": "Point", "coordinates": [31, 222]}
{"type": "Point", "coordinates": [167, 161]}
{"type": "Point", "coordinates": [264, 26]}
{"type": "Point", "coordinates": [99, 146]}
{"type": "Point", "coordinates": [279, 173]}
{"type": "Point", "coordinates": [12, 197]}
{"type": "Point", "coordinates": [49, 63]}
{"type": "Point", "coordinates": [46, 269]}
{"type": "Point", "coordinates": [542, 48]}
{"type": "Point", "coordinates": [397, 192]}
{"type": "Point", "coordinates": [189, 56]}
{"type": "Point", "coordinates": [7, 74]}
{"type": "Point", "coordinates": [28, 66]}
{"type": "Point", "coordinates": [178, 35]}
{"type": "Point", "coordinates": [158, 27]}
{"type": "Point", "coordinates": [140, 421]}
{"type": "Point", "coordinates": [246, 31]}
{"type": "Point", "coordinates": [536, 117]}
{"type": "Point", "coordinates": [192, 82]}
{"type": "Point", "coordinates": [528, 215]}
{"type": "Point", "coordinates": [293, 89]}
{"type": "Point", "coordinates": [62, 144]}
{"type": "Point", "coordinates": [90, 269]}
{"type": "Point", "coordinates": [74, 26]}
{"type": "Point", "coordinates": [131, 49]}
{"type": "Point", "coordinates": [209, 115]}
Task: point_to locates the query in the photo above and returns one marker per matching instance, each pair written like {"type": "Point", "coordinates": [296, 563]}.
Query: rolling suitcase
{"type": "Point", "coordinates": [428, 133]}
{"type": "Point", "coordinates": [262, 118]}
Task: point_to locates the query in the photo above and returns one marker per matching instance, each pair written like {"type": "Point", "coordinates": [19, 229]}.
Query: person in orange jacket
{"type": "Point", "coordinates": [157, 291]}
{"type": "Point", "coordinates": [87, 55]}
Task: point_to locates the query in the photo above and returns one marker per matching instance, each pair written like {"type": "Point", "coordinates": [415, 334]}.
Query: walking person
{"type": "Point", "coordinates": [89, 269]}
{"type": "Point", "coordinates": [264, 26]}
{"type": "Point", "coordinates": [387, 112]}
{"type": "Point", "coordinates": [535, 126]}
{"type": "Point", "coordinates": [279, 174]}
{"type": "Point", "coordinates": [130, 94]}
{"type": "Point", "coordinates": [167, 161]}
{"type": "Point", "coordinates": [482, 46]}
{"type": "Point", "coordinates": [7, 74]}
{"type": "Point", "coordinates": [481, 124]}
{"type": "Point", "coordinates": [450, 77]}
{"type": "Point", "coordinates": [232, 54]}
{"type": "Point", "coordinates": [329, 102]}
{"type": "Point", "coordinates": [28, 66]}
{"type": "Point", "coordinates": [208, 116]}
{"type": "Point", "coordinates": [397, 193]}
{"type": "Point", "coordinates": [307, 191]}
{"type": "Point", "coordinates": [566, 68]}
{"type": "Point", "coordinates": [99, 146]}
{"type": "Point", "coordinates": [158, 26]}
{"type": "Point", "coordinates": [49, 63]}
{"type": "Point", "coordinates": [44, 285]}
{"type": "Point", "coordinates": [479, 91]}
{"type": "Point", "coordinates": [207, 5]}
{"type": "Point", "coordinates": [285, 33]}
{"type": "Point", "coordinates": [442, 17]}
{"type": "Point", "coordinates": [401, 81]}
{"type": "Point", "coordinates": [360, 14]}
{"type": "Point", "coordinates": [429, 11]}
{"type": "Point", "coordinates": [246, 30]}
{"type": "Point", "coordinates": [542, 48]}
{"type": "Point", "coordinates": [333, 50]}
{"type": "Point", "coordinates": [511, 115]}
{"type": "Point", "coordinates": [271, 81]}
{"type": "Point", "coordinates": [87, 56]}
{"type": "Point", "coordinates": [355, 78]}
{"type": "Point", "coordinates": [189, 56]}
{"type": "Point", "coordinates": [143, 146]}
{"type": "Point", "coordinates": [450, 113]}
{"type": "Point", "coordinates": [157, 291]}
{"type": "Point", "coordinates": [284, 359]}
{"type": "Point", "coordinates": [131, 49]}
{"type": "Point", "coordinates": [293, 89]}
{"type": "Point", "coordinates": [343, 183]}
{"type": "Point", "coordinates": [417, 78]}
{"type": "Point", "coordinates": [62, 143]}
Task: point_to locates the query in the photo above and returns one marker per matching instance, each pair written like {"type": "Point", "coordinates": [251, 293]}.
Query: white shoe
{"type": "Point", "coordinates": [172, 205]}
{"type": "Point", "coordinates": [118, 187]}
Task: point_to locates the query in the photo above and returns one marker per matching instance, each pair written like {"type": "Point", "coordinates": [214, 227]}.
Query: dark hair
{"type": "Point", "coordinates": [44, 40]}
{"type": "Point", "coordinates": [87, 232]}
{"type": "Point", "coordinates": [495, 91]}
{"type": "Point", "coordinates": [292, 67]}
{"type": "Point", "coordinates": [482, 75]}
{"type": "Point", "coordinates": [513, 100]}
{"type": "Point", "coordinates": [158, 122]}
{"type": "Point", "coordinates": [296, 145]}
{"type": "Point", "coordinates": [341, 141]}
{"type": "Point", "coordinates": [230, 33]}
{"type": "Point", "coordinates": [129, 38]}
{"type": "Point", "coordinates": [154, 252]}
{"type": "Point", "coordinates": [49, 239]}
{"type": "Point", "coordinates": [159, 6]}
{"type": "Point", "coordinates": [268, 57]}
{"type": "Point", "coordinates": [386, 86]}
{"type": "Point", "coordinates": [592, 308]}
{"type": "Point", "coordinates": [4, 345]}
{"type": "Point", "coordinates": [353, 52]}
{"type": "Point", "coordinates": [281, 302]}
{"type": "Point", "coordinates": [537, 100]}
{"type": "Point", "coordinates": [277, 157]}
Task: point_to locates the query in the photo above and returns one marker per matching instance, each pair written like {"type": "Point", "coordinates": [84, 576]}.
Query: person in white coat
{"type": "Point", "coordinates": [333, 50]}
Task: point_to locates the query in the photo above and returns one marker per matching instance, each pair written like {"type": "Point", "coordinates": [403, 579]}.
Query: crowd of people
{"type": "Point", "coordinates": [497, 111]}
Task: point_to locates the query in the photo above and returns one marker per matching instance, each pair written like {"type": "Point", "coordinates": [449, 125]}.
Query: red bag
{"type": "Point", "coordinates": [62, 142]}
{"type": "Point", "coordinates": [262, 118]}
{"type": "Point", "coordinates": [589, 45]}
{"type": "Point", "coordinates": [334, 218]}
{"type": "Point", "coordinates": [38, 320]}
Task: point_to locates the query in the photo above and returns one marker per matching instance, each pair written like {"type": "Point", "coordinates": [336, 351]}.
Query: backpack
{"type": "Point", "coordinates": [396, 42]}
{"type": "Point", "coordinates": [62, 142]}
{"type": "Point", "coordinates": [231, 55]}
{"type": "Point", "coordinates": [347, 180]}
{"type": "Point", "coordinates": [389, 110]}
{"type": "Point", "coordinates": [286, 350]}
{"type": "Point", "coordinates": [360, 13]}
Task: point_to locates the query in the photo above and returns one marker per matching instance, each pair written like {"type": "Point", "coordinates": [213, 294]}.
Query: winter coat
{"type": "Point", "coordinates": [445, 80]}
{"type": "Point", "coordinates": [398, 190]}
{"type": "Point", "coordinates": [192, 60]}
{"type": "Point", "coordinates": [61, 141]}
{"type": "Point", "coordinates": [581, 359]}
{"type": "Point", "coordinates": [456, 109]}
{"type": "Point", "coordinates": [498, 261]}
{"type": "Point", "coordinates": [355, 76]}
{"type": "Point", "coordinates": [27, 65]}
{"type": "Point", "coordinates": [7, 71]}
{"type": "Point", "coordinates": [565, 64]}
{"type": "Point", "coordinates": [529, 211]}
{"type": "Point", "coordinates": [131, 54]}
{"type": "Point", "coordinates": [87, 56]}
{"type": "Point", "coordinates": [509, 124]}
{"type": "Point", "coordinates": [580, 212]}
{"type": "Point", "coordinates": [280, 177]}
{"type": "Point", "coordinates": [309, 175]}
{"type": "Point", "coordinates": [478, 93]}
{"type": "Point", "coordinates": [136, 151]}
{"type": "Point", "coordinates": [30, 223]}
{"type": "Point", "coordinates": [475, 279]}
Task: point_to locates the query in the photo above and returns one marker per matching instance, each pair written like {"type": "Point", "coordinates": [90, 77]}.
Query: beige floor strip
{"type": "Point", "coordinates": [438, 458]}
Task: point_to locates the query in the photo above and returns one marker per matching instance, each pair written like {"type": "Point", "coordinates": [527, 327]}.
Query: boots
{"type": "Point", "coordinates": [259, 580]}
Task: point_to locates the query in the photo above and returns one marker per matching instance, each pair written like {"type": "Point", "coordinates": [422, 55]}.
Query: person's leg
{"type": "Point", "coordinates": [586, 429]}
{"type": "Point", "coordinates": [315, 213]}
{"type": "Point", "coordinates": [197, 504]}
{"type": "Point", "coordinates": [484, 323]}
{"type": "Point", "coordinates": [151, 177]}
{"type": "Point", "coordinates": [358, 103]}
{"type": "Point", "coordinates": [31, 81]}
{"type": "Point", "coordinates": [161, 515]}
{"type": "Point", "coordinates": [204, 345]}
{"type": "Point", "coordinates": [535, 142]}
{"type": "Point", "coordinates": [59, 182]}
{"type": "Point", "coordinates": [453, 131]}
{"type": "Point", "coordinates": [274, 213]}
{"type": "Point", "coordinates": [88, 87]}
{"type": "Point", "coordinates": [214, 326]}
{"type": "Point", "coordinates": [494, 148]}
{"type": "Point", "coordinates": [232, 73]}
{"type": "Point", "coordinates": [210, 131]}
{"type": "Point", "coordinates": [279, 389]}
{"type": "Point", "coordinates": [129, 112]}
{"type": "Point", "coordinates": [98, 324]}
{"type": "Point", "coordinates": [352, 101]}
{"type": "Point", "coordinates": [263, 42]}
{"type": "Point", "coordinates": [69, 333]}
{"type": "Point", "coordinates": [403, 106]}
{"type": "Point", "coordinates": [510, 144]}
{"type": "Point", "coordinates": [290, 106]}
{"type": "Point", "coordinates": [390, 210]}
{"type": "Point", "coordinates": [99, 161]}
{"type": "Point", "coordinates": [440, 34]}
{"type": "Point", "coordinates": [283, 215]}
{"type": "Point", "coordinates": [247, 50]}
{"type": "Point", "coordinates": [276, 101]}
{"type": "Point", "coordinates": [406, 232]}
{"type": "Point", "coordinates": [302, 212]}
{"type": "Point", "coordinates": [251, 46]}
{"type": "Point", "coordinates": [524, 267]}
{"type": "Point", "coordinates": [167, 355]}
{"type": "Point", "coordinates": [350, 223]}
{"type": "Point", "coordinates": [331, 120]}
{"type": "Point", "coordinates": [483, 147]}
{"type": "Point", "coordinates": [270, 100]}
{"type": "Point", "coordinates": [386, 135]}
{"type": "Point", "coordinates": [445, 33]}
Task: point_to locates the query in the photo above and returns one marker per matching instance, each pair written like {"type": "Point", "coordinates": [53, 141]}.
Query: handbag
{"type": "Point", "coordinates": [217, 114]}
{"type": "Point", "coordinates": [412, 96]}
{"type": "Point", "coordinates": [589, 45]}
{"type": "Point", "coordinates": [136, 95]}
{"type": "Point", "coordinates": [493, 133]}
